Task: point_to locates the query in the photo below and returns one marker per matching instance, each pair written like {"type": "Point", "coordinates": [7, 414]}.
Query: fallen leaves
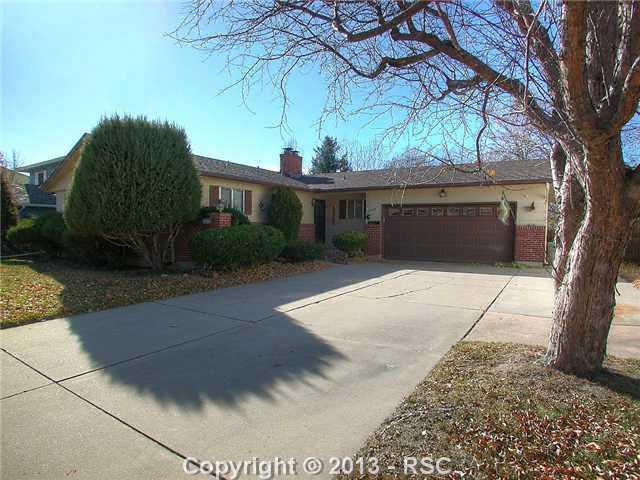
{"type": "Point", "coordinates": [498, 413]}
{"type": "Point", "coordinates": [31, 291]}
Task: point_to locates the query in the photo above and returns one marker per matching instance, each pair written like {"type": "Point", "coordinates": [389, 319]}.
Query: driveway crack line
{"type": "Point", "coordinates": [486, 309]}
{"type": "Point", "coordinates": [333, 296]}
{"type": "Point", "coordinates": [106, 412]}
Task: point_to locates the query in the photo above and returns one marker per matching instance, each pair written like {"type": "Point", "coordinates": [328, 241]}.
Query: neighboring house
{"type": "Point", "coordinates": [428, 213]}
{"type": "Point", "coordinates": [30, 197]}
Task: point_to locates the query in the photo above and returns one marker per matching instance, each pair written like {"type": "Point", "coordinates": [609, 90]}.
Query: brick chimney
{"type": "Point", "coordinates": [290, 163]}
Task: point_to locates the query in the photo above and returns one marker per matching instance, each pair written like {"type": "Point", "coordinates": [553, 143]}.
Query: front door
{"type": "Point", "coordinates": [319, 219]}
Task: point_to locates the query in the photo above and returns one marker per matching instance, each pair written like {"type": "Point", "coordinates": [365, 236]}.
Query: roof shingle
{"type": "Point", "coordinates": [513, 171]}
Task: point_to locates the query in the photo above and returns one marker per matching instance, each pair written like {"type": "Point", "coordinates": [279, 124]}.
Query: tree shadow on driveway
{"type": "Point", "coordinates": [222, 346]}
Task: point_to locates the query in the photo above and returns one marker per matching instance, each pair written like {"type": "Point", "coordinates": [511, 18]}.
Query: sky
{"type": "Point", "coordinates": [65, 65]}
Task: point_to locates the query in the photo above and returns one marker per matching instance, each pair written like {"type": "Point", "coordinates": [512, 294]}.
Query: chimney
{"type": "Point", "coordinates": [290, 163]}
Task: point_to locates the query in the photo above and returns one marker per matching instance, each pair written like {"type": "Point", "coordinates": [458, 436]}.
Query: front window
{"type": "Point", "coordinates": [225, 196]}
{"type": "Point", "coordinates": [40, 177]}
{"type": "Point", "coordinates": [238, 199]}
{"type": "Point", "coordinates": [232, 198]}
{"type": "Point", "coordinates": [351, 209]}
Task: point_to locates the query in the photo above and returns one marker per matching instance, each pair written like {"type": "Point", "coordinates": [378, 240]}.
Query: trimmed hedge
{"type": "Point", "coordinates": [228, 248]}
{"type": "Point", "coordinates": [25, 235]}
{"type": "Point", "coordinates": [351, 242]}
{"type": "Point", "coordinates": [285, 212]}
{"type": "Point", "coordinates": [136, 184]}
{"type": "Point", "coordinates": [52, 229]}
{"type": "Point", "coordinates": [301, 251]}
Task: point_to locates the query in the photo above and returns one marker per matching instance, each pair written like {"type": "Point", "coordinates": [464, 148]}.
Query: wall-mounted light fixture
{"type": "Point", "coordinates": [531, 207]}
{"type": "Point", "coordinates": [442, 193]}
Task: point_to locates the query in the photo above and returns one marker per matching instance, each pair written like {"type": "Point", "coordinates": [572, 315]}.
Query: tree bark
{"type": "Point", "coordinates": [585, 295]}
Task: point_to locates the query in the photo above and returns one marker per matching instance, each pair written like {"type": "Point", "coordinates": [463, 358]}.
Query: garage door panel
{"type": "Point", "coordinates": [468, 232]}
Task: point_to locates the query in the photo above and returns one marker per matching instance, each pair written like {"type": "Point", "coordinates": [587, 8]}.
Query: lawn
{"type": "Point", "coordinates": [37, 290]}
{"type": "Point", "coordinates": [497, 412]}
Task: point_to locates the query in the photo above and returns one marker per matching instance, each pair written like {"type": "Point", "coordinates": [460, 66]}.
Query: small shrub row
{"type": "Point", "coordinates": [301, 251]}
{"type": "Point", "coordinates": [49, 232]}
{"type": "Point", "coordinates": [351, 242]}
{"type": "Point", "coordinates": [232, 247]}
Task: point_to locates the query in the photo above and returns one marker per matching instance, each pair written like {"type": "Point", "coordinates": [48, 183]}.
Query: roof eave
{"type": "Point", "coordinates": [435, 185]}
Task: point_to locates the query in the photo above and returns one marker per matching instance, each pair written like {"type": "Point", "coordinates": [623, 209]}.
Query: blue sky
{"type": "Point", "coordinates": [64, 65]}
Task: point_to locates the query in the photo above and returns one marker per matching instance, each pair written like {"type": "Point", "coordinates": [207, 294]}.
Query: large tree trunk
{"type": "Point", "coordinates": [585, 292]}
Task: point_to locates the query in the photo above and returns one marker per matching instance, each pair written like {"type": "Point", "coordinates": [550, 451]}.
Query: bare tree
{"type": "Point", "coordinates": [571, 68]}
{"type": "Point", "coordinates": [517, 143]}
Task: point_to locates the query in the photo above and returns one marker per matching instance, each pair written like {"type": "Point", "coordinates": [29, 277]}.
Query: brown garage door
{"type": "Point", "coordinates": [460, 233]}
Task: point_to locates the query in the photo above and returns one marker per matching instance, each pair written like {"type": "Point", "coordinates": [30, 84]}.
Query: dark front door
{"type": "Point", "coordinates": [319, 219]}
{"type": "Point", "coordinates": [461, 232]}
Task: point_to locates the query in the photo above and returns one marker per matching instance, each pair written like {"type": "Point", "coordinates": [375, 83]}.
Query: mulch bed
{"type": "Point", "coordinates": [497, 412]}
{"type": "Point", "coordinates": [31, 291]}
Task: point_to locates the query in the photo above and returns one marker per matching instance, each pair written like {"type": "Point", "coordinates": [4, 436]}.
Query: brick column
{"type": "Point", "coordinates": [181, 242]}
{"type": "Point", "coordinates": [307, 232]}
{"type": "Point", "coordinates": [375, 239]}
{"type": "Point", "coordinates": [220, 220]}
{"type": "Point", "coordinates": [530, 243]}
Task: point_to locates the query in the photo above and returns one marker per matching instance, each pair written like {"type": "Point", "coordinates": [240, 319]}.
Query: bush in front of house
{"type": "Point", "coordinates": [135, 185]}
{"type": "Point", "coordinates": [95, 251]}
{"type": "Point", "coordinates": [351, 242]}
{"type": "Point", "coordinates": [302, 251]}
{"type": "Point", "coordinates": [228, 248]}
{"type": "Point", "coordinates": [25, 235]}
{"type": "Point", "coordinates": [53, 230]}
{"type": "Point", "coordinates": [237, 217]}
{"type": "Point", "coordinates": [285, 212]}
{"type": "Point", "coordinates": [8, 211]}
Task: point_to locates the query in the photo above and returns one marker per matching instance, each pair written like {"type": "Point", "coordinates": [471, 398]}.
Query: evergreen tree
{"type": "Point", "coordinates": [327, 158]}
{"type": "Point", "coordinates": [8, 208]}
{"type": "Point", "coordinates": [136, 184]}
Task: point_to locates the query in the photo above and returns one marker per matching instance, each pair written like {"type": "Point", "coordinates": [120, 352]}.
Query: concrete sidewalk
{"type": "Point", "coordinates": [522, 314]}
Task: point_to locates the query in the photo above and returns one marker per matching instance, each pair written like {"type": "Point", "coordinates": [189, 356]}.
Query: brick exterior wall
{"type": "Point", "coordinates": [530, 243]}
{"type": "Point", "coordinates": [307, 232]}
{"type": "Point", "coordinates": [181, 243]}
{"type": "Point", "coordinates": [374, 239]}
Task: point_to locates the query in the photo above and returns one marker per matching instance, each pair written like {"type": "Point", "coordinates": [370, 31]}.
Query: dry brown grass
{"type": "Point", "coordinates": [497, 412]}
{"type": "Point", "coordinates": [31, 291]}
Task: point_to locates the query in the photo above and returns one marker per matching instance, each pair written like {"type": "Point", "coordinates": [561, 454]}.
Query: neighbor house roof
{"type": "Point", "coordinates": [39, 165]}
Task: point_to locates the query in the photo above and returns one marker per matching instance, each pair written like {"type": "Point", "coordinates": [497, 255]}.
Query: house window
{"type": "Point", "coordinates": [408, 212]}
{"type": "Point", "coordinates": [41, 177]}
{"type": "Point", "coordinates": [469, 211]}
{"type": "Point", "coordinates": [351, 209]}
{"type": "Point", "coordinates": [453, 211]}
{"type": "Point", "coordinates": [238, 199]}
{"type": "Point", "coordinates": [232, 197]}
{"type": "Point", "coordinates": [437, 211]}
{"type": "Point", "coordinates": [422, 212]}
{"type": "Point", "coordinates": [225, 196]}
{"type": "Point", "coordinates": [485, 211]}
{"type": "Point", "coordinates": [394, 212]}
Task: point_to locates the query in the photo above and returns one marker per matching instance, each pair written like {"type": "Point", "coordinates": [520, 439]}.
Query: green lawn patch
{"type": "Point", "coordinates": [497, 412]}
{"type": "Point", "coordinates": [31, 290]}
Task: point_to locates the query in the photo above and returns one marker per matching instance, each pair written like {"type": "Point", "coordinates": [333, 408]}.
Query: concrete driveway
{"type": "Point", "coordinates": [299, 367]}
